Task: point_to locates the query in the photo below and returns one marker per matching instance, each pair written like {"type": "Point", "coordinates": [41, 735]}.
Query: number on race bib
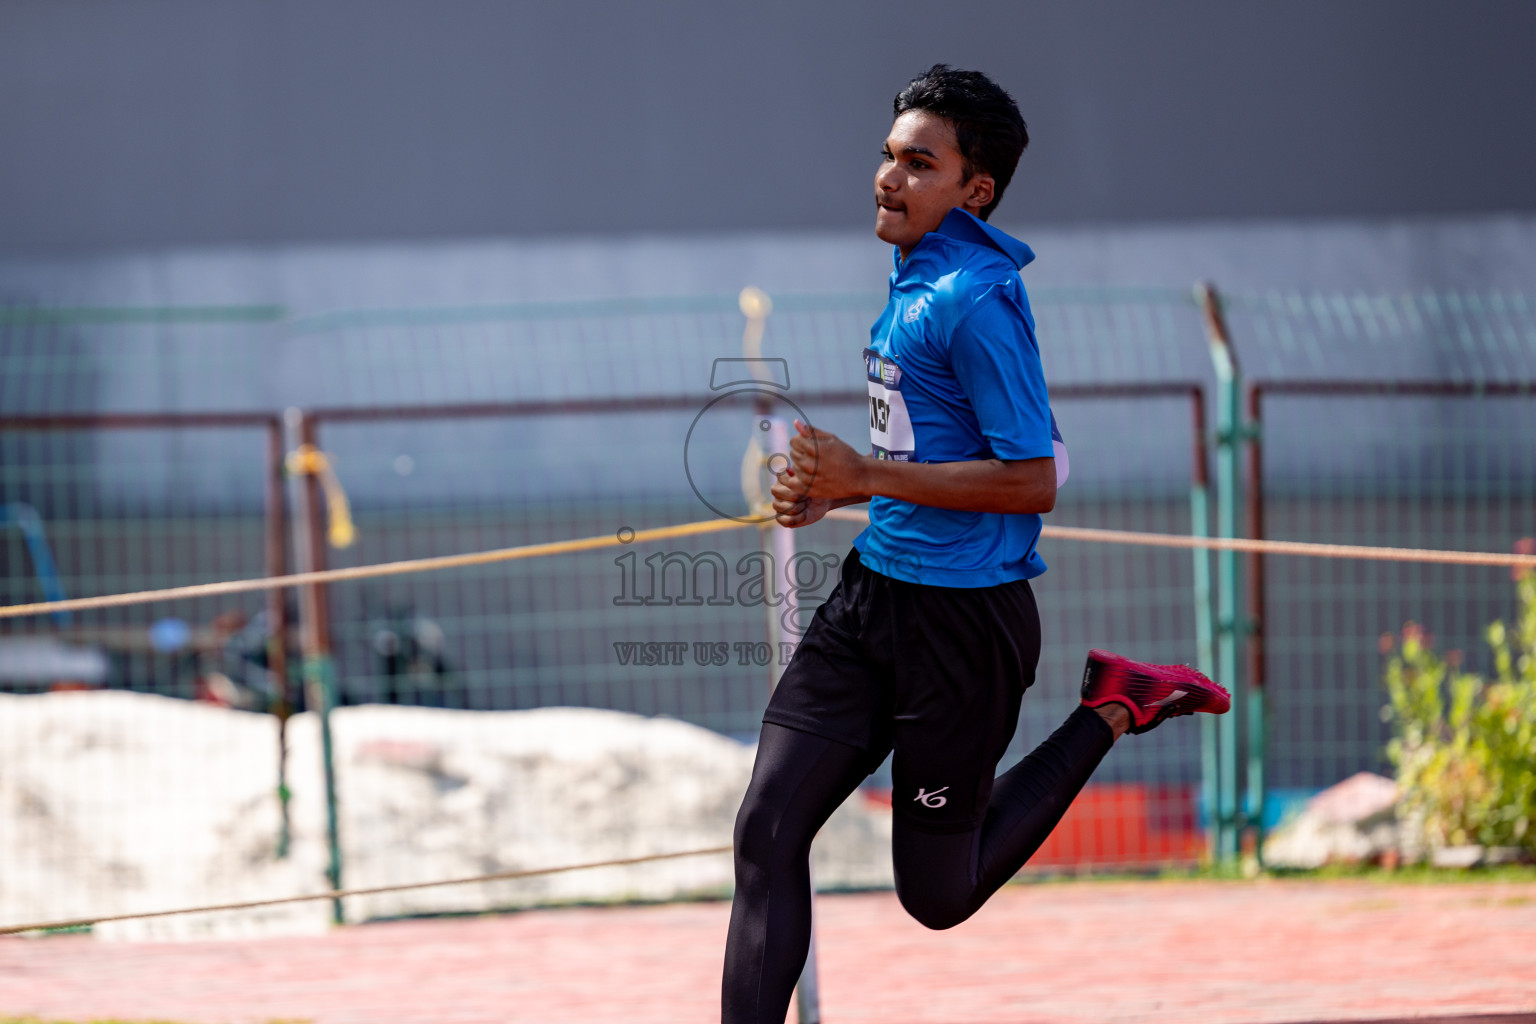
{"type": "Point", "coordinates": [890, 428]}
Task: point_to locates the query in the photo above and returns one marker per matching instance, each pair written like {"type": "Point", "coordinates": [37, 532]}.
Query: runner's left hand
{"type": "Point", "coordinates": [824, 465]}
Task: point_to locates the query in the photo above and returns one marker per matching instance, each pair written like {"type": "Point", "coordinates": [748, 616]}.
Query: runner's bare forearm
{"type": "Point", "coordinates": [824, 467]}
{"type": "Point", "coordinates": [985, 485]}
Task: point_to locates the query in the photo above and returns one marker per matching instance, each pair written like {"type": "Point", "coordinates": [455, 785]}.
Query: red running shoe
{"type": "Point", "coordinates": [1151, 693]}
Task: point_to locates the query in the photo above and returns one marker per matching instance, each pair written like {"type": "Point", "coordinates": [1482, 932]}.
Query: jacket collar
{"type": "Point", "coordinates": [965, 227]}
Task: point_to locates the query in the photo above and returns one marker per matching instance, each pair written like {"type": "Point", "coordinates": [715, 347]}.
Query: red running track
{"type": "Point", "coordinates": [1068, 953]}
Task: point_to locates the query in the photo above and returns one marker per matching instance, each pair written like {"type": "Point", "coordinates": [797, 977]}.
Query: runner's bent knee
{"type": "Point", "coordinates": [935, 874]}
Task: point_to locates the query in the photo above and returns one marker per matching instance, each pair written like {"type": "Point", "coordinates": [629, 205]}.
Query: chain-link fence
{"type": "Point", "coordinates": [144, 748]}
{"type": "Point", "coordinates": [1389, 420]}
{"type": "Point", "coordinates": [610, 423]}
{"type": "Point", "coordinates": [144, 449]}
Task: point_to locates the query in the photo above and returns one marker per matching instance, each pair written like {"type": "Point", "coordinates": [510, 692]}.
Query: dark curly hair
{"type": "Point", "coordinates": [989, 130]}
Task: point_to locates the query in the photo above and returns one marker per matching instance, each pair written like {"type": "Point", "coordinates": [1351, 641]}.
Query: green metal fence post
{"type": "Point", "coordinates": [1258, 694]}
{"type": "Point", "coordinates": [319, 682]}
{"type": "Point", "coordinates": [319, 670]}
{"type": "Point", "coordinates": [1205, 609]}
{"type": "Point", "coordinates": [1229, 629]}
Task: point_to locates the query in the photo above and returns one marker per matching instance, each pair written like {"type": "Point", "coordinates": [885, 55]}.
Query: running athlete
{"type": "Point", "coordinates": [931, 635]}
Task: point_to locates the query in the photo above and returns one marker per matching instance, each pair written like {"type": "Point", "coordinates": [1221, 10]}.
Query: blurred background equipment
{"type": "Point", "coordinates": [26, 520]}
{"type": "Point", "coordinates": [409, 649]}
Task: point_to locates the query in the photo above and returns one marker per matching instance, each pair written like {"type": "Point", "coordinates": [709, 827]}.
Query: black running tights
{"type": "Point", "coordinates": [941, 878]}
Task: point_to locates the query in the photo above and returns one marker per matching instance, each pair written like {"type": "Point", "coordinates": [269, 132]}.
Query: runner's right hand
{"type": "Point", "coordinates": [791, 508]}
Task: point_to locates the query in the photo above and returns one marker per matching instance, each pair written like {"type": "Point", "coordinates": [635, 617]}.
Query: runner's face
{"type": "Point", "coordinates": [921, 178]}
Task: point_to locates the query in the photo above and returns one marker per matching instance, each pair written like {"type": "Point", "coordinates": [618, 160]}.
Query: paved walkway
{"type": "Point", "coordinates": [1073, 953]}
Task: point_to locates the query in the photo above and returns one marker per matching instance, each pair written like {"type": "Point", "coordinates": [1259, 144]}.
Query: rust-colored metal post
{"type": "Point", "coordinates": [315, 632]}
{"type": "Point", "coordinates": [277, 623]}
{"type": "Point", "coordinates": [1200, 471]}
{"type": "Point", "coordinates": [316, 612]}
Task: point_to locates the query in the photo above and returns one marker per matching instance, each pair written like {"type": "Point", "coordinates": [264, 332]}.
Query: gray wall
{"type": "Point", "coordinates": [154, 122]}
{"type": "Point", "coordinates": [1378, 256]}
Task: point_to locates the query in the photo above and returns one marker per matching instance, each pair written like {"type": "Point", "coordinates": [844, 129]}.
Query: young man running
{"type": "Point", "coordinates": [931, 636]}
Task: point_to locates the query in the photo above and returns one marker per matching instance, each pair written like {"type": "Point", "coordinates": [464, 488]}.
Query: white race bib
{"type": "Point", "coordinates": [890, 428]}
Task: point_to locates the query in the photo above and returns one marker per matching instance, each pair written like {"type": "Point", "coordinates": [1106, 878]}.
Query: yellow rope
{"type": "Point", "coordinates": [1262, 547]}
{"type": "Point", "coordinates": [361, 572]}
{"type": "Point", "coordinates": [1292, 547]}
{"type": "Point", "coordinates": [1069, 533]}
{"type": "Point", "coordinates": [336, 894]}
{"type": "Point", "coordinates": [562, 547]}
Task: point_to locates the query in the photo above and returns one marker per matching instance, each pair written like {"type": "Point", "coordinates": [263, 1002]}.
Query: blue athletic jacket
{"type": "Point", "coordinates": [954, 374]}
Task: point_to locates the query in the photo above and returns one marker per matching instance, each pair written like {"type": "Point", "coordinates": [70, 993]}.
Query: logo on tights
{"type": "Point", "coordinates": [933, 799]}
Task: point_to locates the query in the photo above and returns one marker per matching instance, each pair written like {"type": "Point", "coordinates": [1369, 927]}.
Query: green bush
{"type": "Point", "coordinates": [1465, 747]}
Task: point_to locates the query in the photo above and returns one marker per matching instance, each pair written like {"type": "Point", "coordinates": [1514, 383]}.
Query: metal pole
{"type": "Point", "coordinates": [1258, 696]}
{"type": "Point", "coordinates": [1229, 626]}
{"type": "Point", "coordinates": [779, 545]}
{"type": "Point", "coordinates": [319, 676]}
{"type": "Point", "coordinates": [783, 638]}
{"type": "Point", "coordinates": [1205, 610]}
{"type": "Point", "coordinates": [277, 626]}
